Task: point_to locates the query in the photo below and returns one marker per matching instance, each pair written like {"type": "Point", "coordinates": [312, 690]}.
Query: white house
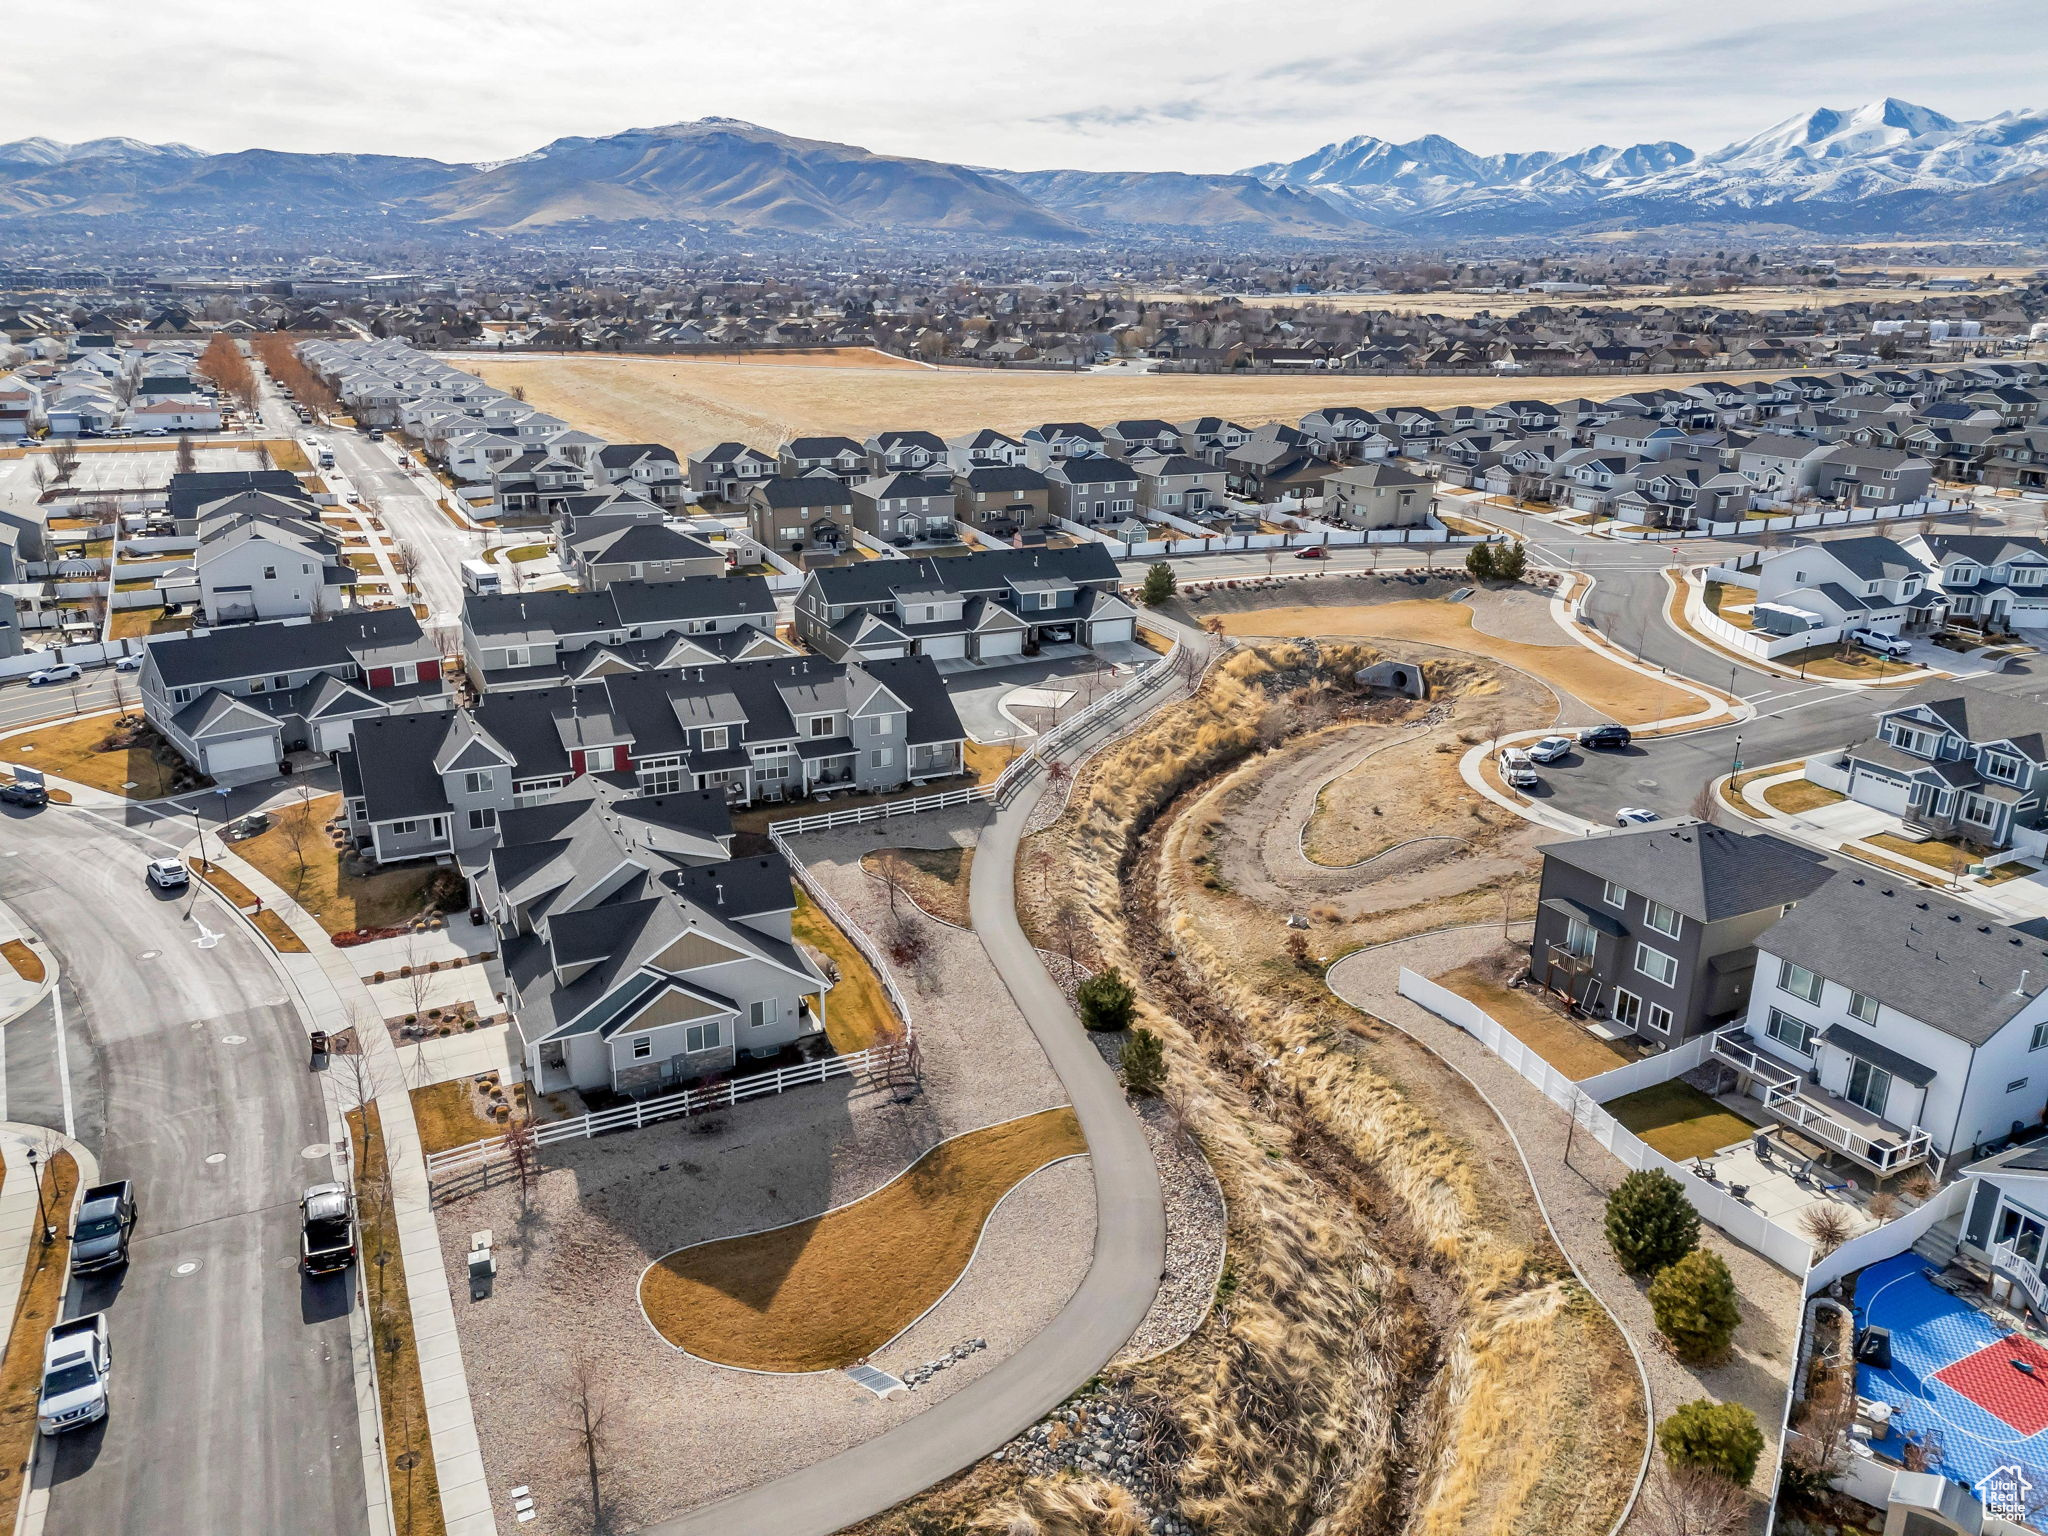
{"type": "Point", "coordinates": [1871, 583]}
{"type": "Point", "coordinates": [1894, 1025]}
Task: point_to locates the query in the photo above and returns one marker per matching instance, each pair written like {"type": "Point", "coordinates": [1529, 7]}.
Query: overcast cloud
{"type": "Point", "coordinates": [1145, 85]}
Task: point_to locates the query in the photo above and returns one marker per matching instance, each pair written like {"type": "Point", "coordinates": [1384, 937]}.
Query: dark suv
{"type": "Point", "coordinates": [32, 796]}
{"type": "Point", "coordinates": [1605, 737]}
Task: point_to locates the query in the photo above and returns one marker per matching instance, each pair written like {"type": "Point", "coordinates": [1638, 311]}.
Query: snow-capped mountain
{"type": "Point", "coordinates": [50, 152]}
{"type": "Point", "coordinates": [1868, 154]}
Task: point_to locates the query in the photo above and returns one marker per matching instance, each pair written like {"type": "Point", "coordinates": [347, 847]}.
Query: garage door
{"type": "Point", "coordinates": [1008, 642]}
{"type": "Point", "coordinates": [243, 755]}
{"type": "Point", "coordinates": [884, 652]}
{"type": "Point", "coordinates": [941, 646]}
{"type": "Point", "coordinates": [1110, 631]}
{"type": "Point", "coordinates": [1867, 788]}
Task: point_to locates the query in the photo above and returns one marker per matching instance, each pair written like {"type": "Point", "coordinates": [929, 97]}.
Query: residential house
{"type": "Point", "coordinates": [1656, 929]}
{"type": "Point", "coordinates": [647, 468]}
{"type": "Point", "coordinates": [809, 512]}
{"type": "Point", "coordinates": [1276, 461]}
{"type": "Point", "coordinates": [513, 640]}
{"type": "Point", "coordinates": [977, 450]}
{"type": "Point", "coordinates": [1989, 581]}
{"type": "Point", "coordinates": [1092, 489]}
{"type": "Point", "coordinates": [261, 556]}
{"type": "Point", "coordinates": [1375, 496]}
{"type": "Point", "coordinates": [1869, 582]}
{"type": "Point", "coordinates": [840, 456]}
{"type": "Point", "coordinates": [894, 453]}
{"type": "Point", "coordinates": [1970, 766]}
{"type": "Point", "coordinates": [1212, 438]}
{"type": "Point", "coordinates": [1002, 500]}
{"type": "Point", "coordinates": [1179, 484]}
{"type": "Point", "coordinates": [1057, 441]}
{"type": "Point", "coordinates": [234, 702]}
{"type": "Point", "coordinates": [1869, 477]}
{"type": "Point", "coordinates": [1125, 438]}
{"type": "Point", "coordinates": [638, 551]}
{"type": "Point", "coordinates": [902, 506]}
{"type": "Point", "coordinates": [981, 606]}
{"type": "Point", "coordinates": [726, 471]}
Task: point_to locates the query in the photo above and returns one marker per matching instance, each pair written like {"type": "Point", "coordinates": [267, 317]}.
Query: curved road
{"type": "Point", "coordinates": [1113, 1297]}
{"type": "Point", "coordinates": [184, 1069]}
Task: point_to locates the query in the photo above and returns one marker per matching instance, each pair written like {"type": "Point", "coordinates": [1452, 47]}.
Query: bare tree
{"type": "Point", "coordinates": [188, 455]}
{"type": "Point", "coordinates": [416, 978]}
{"type": "Point", "coordinates": [45, 474]}
{"type": "Point", "coordinates": [64, 460]}
{"type": "Point", "coordinates": [1691, 1501]}
{"type": "Point", "coordinates": [296, 827]}
{"type": "Point", "coordinates": [522, 1152]}
{"type": "Point", "coordinates": [264, 459]}
{"type": "Point", "coordinates": [1706, 805]}
{"type": "Point", "coordinates": [1828, 1225]}
{"type": "Point", "coordinates": [589, 1410]}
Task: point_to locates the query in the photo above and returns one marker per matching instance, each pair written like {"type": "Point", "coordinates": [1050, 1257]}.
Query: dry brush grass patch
{"type": "Point", "coordinates": [1607, 686]}
{"type": "Point", "coordinates": [36, 1310]}
{"type": "Point", "coordinates": [1554, 1037]}
{"type": "Point", "coordinates": [824, 1293]}
{"type": "Point", "coordinates": [1398, 1349]}
{"type": "Point", "coordinates": [935, 879]}
{"type": "Point", "coordinates": [857, 1010]}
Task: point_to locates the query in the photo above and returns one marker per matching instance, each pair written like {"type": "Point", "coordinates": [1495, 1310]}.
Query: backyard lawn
{"type": "Point", "coordinates": [1678, 1120]}
{"type": "Point", "coordinates": [137, 623]}
{"type": "Point", "coordinates": [66, 750]}
{"type": "Point", "coordinates": [1558, 1040]}
{"type": "Point", "coordinates": [1717, 594]}
{"type": "Point", "coordinates": [857, 1011]}
{"type": "Point", "coordinates": [339, 902]}
{"type": "Point", "coordinates": [823, 1293]}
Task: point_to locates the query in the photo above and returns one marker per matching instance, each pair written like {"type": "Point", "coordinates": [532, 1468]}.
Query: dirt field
{"type": "Point", "coordinates": [691, 405]}
{"type": "Point", "coordinates": [794, 357]}
{"type": "Point", "coordinates": [1614, 690]}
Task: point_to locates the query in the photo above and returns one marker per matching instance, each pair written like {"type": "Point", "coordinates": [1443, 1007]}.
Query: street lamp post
{"type": "Point", "coordinates": [42, 1211]}
{"type": "Point", "coordinates": [199, 827]}
{"type": "Point", "coordinates": [1735, 767]}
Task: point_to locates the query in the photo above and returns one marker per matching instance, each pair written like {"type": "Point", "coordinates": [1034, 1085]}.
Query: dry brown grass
{"type": "Point", "coordinates": [238, 894]}
{"type": "Point", "coordinates": [1396, 1350]}
{"type": "Point", "coordinates": [27, 964]}
{"type": "Point", "coordinates": [140, 623]}
{"type": "Point", "coordinates": [277, 932]}
{"type": "Point", "coordinates": [37, 1310]}
{"type": "Point", "coordinates": [824, 1293]}
{"type": "Point", "coordinates": [66, 750]}
{"type": "Point", "coordinates": [692, 405]}
{"type": "Point", "coordinates": [1559, 1041]}
{"type": "Point", "coordinates": [401, 1397]}
{"type": "Point", "coordinates": [986, 760]}
{"type": "Point", "coordinates": [1678, 1120]}
{"type": "Point", "coordinates": [1079, 1507]}
{"type": "Point", "coordinates": [457, 1112]}
{"type": "Point", "coordinates": [857, 1011]}
{"type": "Point", "coordinates": [1798, 795]}
{"type": "Point", "coordinates": [1607, 686]}
{"type": "Point", "coordinates": [338, 900]}
{"type": "Point", "coordinates": [934, 878]}
{"type": "Point", "coordinates": [1943, 858]}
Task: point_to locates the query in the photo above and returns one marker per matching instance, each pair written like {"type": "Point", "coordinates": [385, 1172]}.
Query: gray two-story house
{"type": "Point", "coordinates": [1971, 765]}
{"type": "Point", "coordinates": [1656, 930]}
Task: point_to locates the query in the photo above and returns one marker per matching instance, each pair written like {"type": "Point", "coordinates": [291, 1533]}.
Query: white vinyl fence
{"type": "Point", "coordinates": [1788, 1250]}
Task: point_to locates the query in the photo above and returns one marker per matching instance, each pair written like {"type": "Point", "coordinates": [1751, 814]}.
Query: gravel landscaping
{"type": "Point", "coordinates": [1195, 1220]}
{"type": "Point", "coordinates": [572, 1250]}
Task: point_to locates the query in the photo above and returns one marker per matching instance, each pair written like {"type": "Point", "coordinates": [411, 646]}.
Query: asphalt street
{"type": "Point", "coordinates": [182, 1064]}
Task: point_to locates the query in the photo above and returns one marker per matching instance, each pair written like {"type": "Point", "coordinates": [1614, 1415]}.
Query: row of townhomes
{"type": "Point", "coordinates": [103, 389]}
{"type": "Point", "coordinates": [1882, 1021]}
{"type": "Point", "coordinates": [260, 551]}
{"type": "Point", "coordinates": [495, 447]}
{"type": "Point", "coordinates": [1991, 583]}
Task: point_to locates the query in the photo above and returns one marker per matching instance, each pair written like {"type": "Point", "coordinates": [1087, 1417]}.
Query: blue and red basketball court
{"type": "Point", "coordinates": [1957, 1380]}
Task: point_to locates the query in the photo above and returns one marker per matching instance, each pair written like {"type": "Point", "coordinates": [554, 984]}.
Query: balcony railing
{"type": "Point", "coordinates": [2024, 1272]}
{"type": "Point", "coordinates": [1785, 1093]}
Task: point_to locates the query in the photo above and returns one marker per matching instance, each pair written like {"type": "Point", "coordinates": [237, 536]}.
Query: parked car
{"type": "Point", "coordinates": [1605, 737]}
{"type": "Point", "coordinates": [63, 672]}
{"type": "Point", "coordinates": [1880, 644]}
{"type": "Point", "coordinates": [1635, 816]}
{"type": "Point", "coordinates": [77, 1359]}
{"type": "Point", "coordinates": [169, 874]}
{"type": "Point", "coordinates": [1313, 552]}
{"type": "Point", "coordinates": [29, 796]}
{"type": "Point", "coordinates": [128, 664]}
{"type": "Point", "coordinates": [1516, 770]}
{"type": "Point", "coordinates": [327, 1237]}
{"type": "Point", "coordinates": [1550, 748]}
{"type": "Point", "coordinates": [99, 1234]}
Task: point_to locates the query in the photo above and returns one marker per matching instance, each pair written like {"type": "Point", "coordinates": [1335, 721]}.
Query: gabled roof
{"type": "Point", "coordinates": [1702, 871]}
{"type": "Point", "coordinates": [253, 650]}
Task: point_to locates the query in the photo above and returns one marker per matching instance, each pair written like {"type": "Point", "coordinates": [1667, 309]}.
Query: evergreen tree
{"type": "Point", "coordinates": [1144, 1059]}
{"type": "Point", "coordinates": [1720, 1437]}
{"type": "Point", "coordinates": [1479, 561]}
{"type": "Point", "coordinates": [1106, 1000]}
{"type": "Point", "coordinates": [1650, 1223]}
{"type": "Point", "coordinates": [1160, 584]}
{"type": "Point", "coordinates": [1695, 1305]}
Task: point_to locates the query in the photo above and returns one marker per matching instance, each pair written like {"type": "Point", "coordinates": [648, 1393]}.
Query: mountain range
{"type": "Point", "coordinates": [1888, 167]}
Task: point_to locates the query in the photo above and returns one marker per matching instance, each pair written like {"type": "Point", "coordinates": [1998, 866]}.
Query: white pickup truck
{"type": "Point", "coordinates": [77, 1360]}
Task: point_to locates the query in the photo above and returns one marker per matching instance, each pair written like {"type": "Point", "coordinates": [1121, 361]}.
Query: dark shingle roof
{"type": "Point", "coordinates": [1704, 872]}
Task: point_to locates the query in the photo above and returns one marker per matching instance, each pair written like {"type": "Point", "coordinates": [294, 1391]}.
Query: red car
{"type": "Point", "coordinates": [1313, 552]}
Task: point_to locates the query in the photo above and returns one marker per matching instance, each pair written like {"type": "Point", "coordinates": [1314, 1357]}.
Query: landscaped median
{"type": "Point", "coordinates": [826, 1292]}
{"type": "Point", "coordinates": [275, 930]}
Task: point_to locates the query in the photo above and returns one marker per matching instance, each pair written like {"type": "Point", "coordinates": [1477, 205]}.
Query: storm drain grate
{"type": "Point", "coordinates": [881, 1383]}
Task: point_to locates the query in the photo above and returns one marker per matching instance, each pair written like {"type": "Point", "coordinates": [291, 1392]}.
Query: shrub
{"type": "Point", "coordinates": [1717, 1437]}
{"type": "Point", "coordinates": [1510, 560]}
{"type": "Point", "coordinates": [1650, 1223]}
{"type": "Point", "coordinates": [1144, 1060]}
{"type": "Point", "coordinates": [1106, 1000]}
{"type": "Point", "coordinates": [1695, 1305]}
{"type": "Point", "coordinates": [1160, 584]}
{"type": "Point", "coordinates": [1479, 561]}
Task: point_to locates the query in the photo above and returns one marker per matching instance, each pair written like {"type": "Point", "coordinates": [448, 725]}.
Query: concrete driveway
{"type": "Point", "coordinates": [979, 695]}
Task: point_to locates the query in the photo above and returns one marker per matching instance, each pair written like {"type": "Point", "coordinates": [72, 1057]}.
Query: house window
{"type": "Point", "coordinates": [700, 1037]}
{"type": "Point", "coordinates": [479, 782]}
{"type": "Point", "coordinates": [643, 1047]}
{"type": "Point", "coordinates": [1656, 965]}
{"type": "Point", "coordinates": [1614, 895]}
{"type": "Point", "coordinates": [1578, 939]}
{"type": "Point", "coordinates": [2040, 1036]}
{"type": "Point", "coordinates": [1997, 765]}
{"type": "Point", "coordinates": [1863, 1007]}
{"type": "Point", "coordinates": [1788, 1031]}
{"type": "Point", "coordinates": [482, 819]}
{"type": "Point", "coordinates": [1660, 1019]}
{"type": "Point", "coordinates": [761, 1013]}
{"type": "Point", "coordinates": [404, 828]}
{"type": "Point", "coordinates": [666, 781]}
{"type": "Point", "coordinates": [1661, 919]}
{"type": "Point", "coordinates": [1868, 1087]}
{"type": "Point", "coordinates": [1799, 981]}
{"type": "Point", "coordinates": [270, 573]}
{"type": "Point", "coordinates": [882, 757]}
{"type": "Point", "coordinates": [822, 726]}
{"type": "Point", "coordinates": [714, 738]}
{"type": "Point", "coordinates": [1628, 1008]}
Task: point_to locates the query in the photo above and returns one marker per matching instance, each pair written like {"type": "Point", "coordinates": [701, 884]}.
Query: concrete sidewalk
{"type": "Point", "coordinates": [335, 999]}
{"type": "Point", "coordinates": [17, 993]}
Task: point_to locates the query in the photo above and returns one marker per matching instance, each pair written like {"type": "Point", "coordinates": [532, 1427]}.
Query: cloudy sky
{"type": "Point", "coordinates": [1142, 85]}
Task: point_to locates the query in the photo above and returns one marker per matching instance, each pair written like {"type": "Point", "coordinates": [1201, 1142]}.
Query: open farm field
{"type": "Point", "coordinates": [692, 405]}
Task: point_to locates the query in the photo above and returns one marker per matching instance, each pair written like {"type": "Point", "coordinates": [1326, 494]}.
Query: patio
{"type": "Point", "coordinates": [1830, 1122]}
